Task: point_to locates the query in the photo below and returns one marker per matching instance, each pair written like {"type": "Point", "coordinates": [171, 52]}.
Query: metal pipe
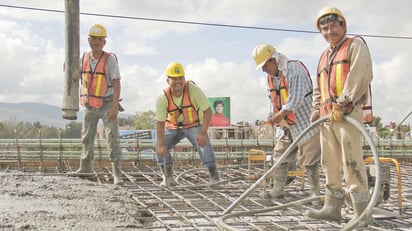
{"type": "Point", "coordinates": [70, 105]}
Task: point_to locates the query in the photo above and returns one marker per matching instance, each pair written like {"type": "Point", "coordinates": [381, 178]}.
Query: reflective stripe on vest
{"type": "Point", "coordinates": [186, 109]}
{"type": "Point", "coordinates": [331, 79]}
{"type": "Point", "coordinates": [94, 84]}
{"type": "Point", "coordinates": [280, 95]}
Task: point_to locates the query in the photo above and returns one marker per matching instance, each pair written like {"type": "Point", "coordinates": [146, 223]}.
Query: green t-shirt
{"type": "Point", "coordinates": [198, 98]}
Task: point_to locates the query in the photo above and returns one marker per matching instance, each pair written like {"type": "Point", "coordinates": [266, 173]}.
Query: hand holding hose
{"type": "Point", "coordinates": [337, 113]}
{"type": "Point", "coordinates": [314, 116]}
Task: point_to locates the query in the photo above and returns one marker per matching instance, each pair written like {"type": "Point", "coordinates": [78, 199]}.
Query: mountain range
{"type": "Point", "coordinates": [46, 114]}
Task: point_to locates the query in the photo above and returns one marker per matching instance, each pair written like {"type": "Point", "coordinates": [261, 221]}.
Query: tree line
{"type": "Point", "coordinates": [72, 130]}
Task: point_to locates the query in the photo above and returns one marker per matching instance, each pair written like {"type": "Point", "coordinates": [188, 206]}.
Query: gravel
{"type": "Point", "coordinates": [58, 202]}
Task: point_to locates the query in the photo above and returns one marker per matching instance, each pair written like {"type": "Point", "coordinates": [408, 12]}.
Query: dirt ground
{"type": "Point", "coordinates": [39, 202]}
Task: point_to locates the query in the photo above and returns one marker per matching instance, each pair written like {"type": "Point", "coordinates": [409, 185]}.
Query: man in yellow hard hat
{"type": "Point", "coordinates": [344, 75]}
{"type": "Point", "coordinates": [99, 93]}
{"type": "Point", "coordinates": [183, 111]}
{"type": "Point", "coordinates": [290, 94]}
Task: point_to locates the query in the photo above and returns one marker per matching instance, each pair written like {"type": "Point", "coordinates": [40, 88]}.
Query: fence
{"type": "Point", "coordinates": [227, 150]}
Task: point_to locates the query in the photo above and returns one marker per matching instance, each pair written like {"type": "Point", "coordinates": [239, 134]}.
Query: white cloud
{"type": "Point", "coordinates": [391, 88]}
{"type": "Point", "coordinates": [217, 58]}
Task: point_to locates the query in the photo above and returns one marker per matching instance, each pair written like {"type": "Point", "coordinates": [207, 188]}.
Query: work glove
{"type": "Point", "coordinates": [284, 124]}
{"type": "Point", "coordinates": [314, 116]}
{"type": "Point", "coordinates": [337, 113]}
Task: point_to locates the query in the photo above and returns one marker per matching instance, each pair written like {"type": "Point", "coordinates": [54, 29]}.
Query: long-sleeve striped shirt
{"type": "Point", "coordinates": [299, 99]}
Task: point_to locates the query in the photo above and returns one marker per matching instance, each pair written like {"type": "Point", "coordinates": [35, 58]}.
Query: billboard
{"type": "Point", "coordinates": [220, 111]}
{"type": "Point", "coordinates": [133, 134]}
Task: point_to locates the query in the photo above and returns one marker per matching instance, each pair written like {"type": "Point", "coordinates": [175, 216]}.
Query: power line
{"type": "Point", "coordinates": [200, 23]}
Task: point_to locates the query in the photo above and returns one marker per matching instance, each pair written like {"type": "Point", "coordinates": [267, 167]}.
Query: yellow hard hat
{"type": "Point", "coordinates": [330, 10]}
{"type": "Point", "coordinates": [174, 70]}
{"type": "Point", "coordinates": [98, 30]}
{"type": "Point", "coordinates": [262, 53]}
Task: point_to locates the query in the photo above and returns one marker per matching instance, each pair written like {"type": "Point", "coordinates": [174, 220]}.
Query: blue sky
{"type": "Point", "coordinates": [218, 59]}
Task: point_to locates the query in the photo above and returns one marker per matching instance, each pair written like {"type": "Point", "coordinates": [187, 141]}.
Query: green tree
{"type": "Point", "coordinates": [72, 130]}
{"type": "Point", "coordinates": [49, 132]}
{"type": "Point", "coordinates": [124, 122]}
{"type": "Point", "coordinates": [26, 130]}
{"type": "Point", "coordinates": [6, 130]}
{"type": "Point", "coordinates": [144, 120]}
{"type": "Point", "coordinates": [376, 122]}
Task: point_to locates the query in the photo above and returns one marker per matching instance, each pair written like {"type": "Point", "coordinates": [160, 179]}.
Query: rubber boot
{"type": "Point", "coordinates": [213, 174]}
{"type": "Point", "coordinates": [279, 180]}
{"type": "Point", "coordinates": [117, 173]}
{"type": "Point", "coordinates": [359, 202]}
{"type": "Point", "coordinates": [313, 178]}
{"type": "Point", "coordinates": [331, 210]}
{"type": "Point", "coordinates": [85, 167]}
{"type": "Point", "coordinates": [168, 180]}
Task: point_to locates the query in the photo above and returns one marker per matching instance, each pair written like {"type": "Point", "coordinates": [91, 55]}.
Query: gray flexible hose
{"type": "Point", "coordinates": [263, 210]}
{"type": "Point", "coordinates": [355, 221]}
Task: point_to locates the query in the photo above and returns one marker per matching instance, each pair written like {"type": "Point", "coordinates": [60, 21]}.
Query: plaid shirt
{"type": "Point", "coordinates": [299, 100]}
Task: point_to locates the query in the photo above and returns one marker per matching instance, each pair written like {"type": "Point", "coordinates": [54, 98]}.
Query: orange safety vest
{"type": "Point", "coordinates": [280, 94]}
{"type": "Point", "coordinates": [332, 77]}
{"type": "Point", "coordinates": [94, 84]}
{"type": "Point", "coordinates": [190, 115]}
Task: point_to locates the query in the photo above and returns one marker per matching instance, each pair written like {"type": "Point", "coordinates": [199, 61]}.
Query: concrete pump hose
{"type": "Point", "coordinates": [375, 195]}
{"type": "Point", "coordinates": [224, 226]}
{"type": "Point", "coordinates": [355, 221]}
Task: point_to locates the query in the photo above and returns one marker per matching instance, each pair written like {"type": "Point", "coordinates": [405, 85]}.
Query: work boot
{"type": "Point", "coordinates": [168, 180]}
{"type": "Point", "coordinates": [313, 178]}
{"type": "Point", "coordinates": [331, 210]}
{"type": "Point", "coordinates": [85, 167]}
{"type": "Point", "coordinates": [279, 180]}
{"type": "Point", "coordinates": [359, 202]}
{"type": "Point", "coordinates": [213, 174]}
{"type": "Point", "coordinates": [117, 173]}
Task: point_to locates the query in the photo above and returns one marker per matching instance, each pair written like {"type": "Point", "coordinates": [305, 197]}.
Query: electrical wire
{"type": "Point", "coordinates": [200, 23]}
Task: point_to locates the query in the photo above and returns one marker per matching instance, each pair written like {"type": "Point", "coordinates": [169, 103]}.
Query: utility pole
{"type": "Point", "coordinates": [70, 105]}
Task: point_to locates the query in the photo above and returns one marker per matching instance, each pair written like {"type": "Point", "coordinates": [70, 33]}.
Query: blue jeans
{"type": "Point", "coordinates": [174, 136]}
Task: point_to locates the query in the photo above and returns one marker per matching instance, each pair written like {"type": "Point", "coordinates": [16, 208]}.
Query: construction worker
{"type": "Point", "coordinates": [183, 111]}
{"type": "Point", "coordinates": [344, 74]}
{"type": "Point", "coordinates": [99, 93]}
{"type": "Point", "coordinates": [290, 94]}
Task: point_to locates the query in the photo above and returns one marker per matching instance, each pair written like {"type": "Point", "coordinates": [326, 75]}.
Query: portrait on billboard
{"type": "Point", "coordinates": [221, 112]}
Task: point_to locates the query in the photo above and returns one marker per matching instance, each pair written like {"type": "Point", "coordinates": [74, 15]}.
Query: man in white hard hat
{"type": "Point", "coordinates": [344, 75]}
{"type": "Point", "coordinates": [290, 94]}
{"type": "Point", "coordinates": [99, 93]}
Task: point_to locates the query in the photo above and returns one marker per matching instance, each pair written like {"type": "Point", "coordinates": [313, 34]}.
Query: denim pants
{"type": "Point", "coordinates": [174, 136]}
{"type": "Point", "coordinates": [90, 121]}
